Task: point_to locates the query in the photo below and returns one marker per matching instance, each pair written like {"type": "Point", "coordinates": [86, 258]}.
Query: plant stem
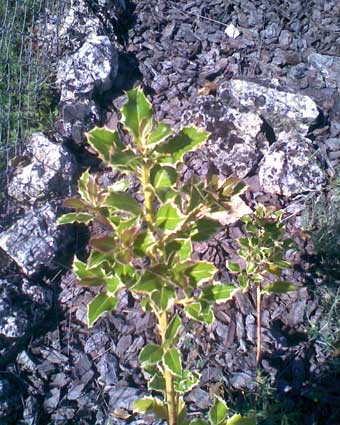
{"type": "Point", "coordinates": [145, 179]}
{"type": "Point", "coordinates": [259, 322]}
{"type": "Point", "coordinates": [169, 384]}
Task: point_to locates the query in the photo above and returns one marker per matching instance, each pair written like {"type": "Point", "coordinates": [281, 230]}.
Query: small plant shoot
{"type": "Point", "coordinates": [158, 233]}
{"type": "Point", "coordinates": [263, 251]}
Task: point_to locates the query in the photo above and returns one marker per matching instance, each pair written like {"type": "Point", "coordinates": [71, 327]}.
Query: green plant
{"type": "Point", "coordinates": [262, 251]}
{"type": "Point", "coordinates": [147, 248]}
{"type": "Point", "coordinates": [219, 415]}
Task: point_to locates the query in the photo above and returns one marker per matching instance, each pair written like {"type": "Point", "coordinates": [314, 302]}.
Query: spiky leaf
{"type": "Point", "coordinates": [173, 329]}
{"type": "Point", "coordinates": [201, 272]}
{"type": "Point", "coordinates": [75, 203]}
{"type": "Point", "coordinates": [93, 276]}
{"type": "Point", "coordinates": [76, 217]}
{"type": "Point", "coordinates": [180, 248]}
{"type": "Point", "coordinates": [162, 132]}
{"type": "Point", "coordinates": [157, 383]}
{"type": "Point", "coordinates": [233, 267]}
{"type": "Point", "coordinates": [122, 201]}
{"type": "Point", "coordinates": [151, 405]}
{"type": "Point", "coordinates": [187, 381]}
{"type": "Point", "coordinates": [163, 298]}
{"type": "Point", "coordinates": [172, 361]}
{"type": "Point", "coordinates": [103, 141]}
{"type": "Point", "coordinates": [204, 228]}
{"type": "Point", "coordinates": [137, 115]}
{"type": "Point", "coordinates": [143, 242]}
{"type": "Point", "coordinates": [186, 140]}
{"type": "Point", "coordinates": [100, 304]}
{"type": "Point", "coordinates": [218, 293]}
{"type": "Point", "coordinates": [218, 412]}
{"type": "Point", "coordinates": [150, 355]}
{"type": "Point", "coordinates": [105, 244]}
{"type": "Point", "coordinates": [169, 217]}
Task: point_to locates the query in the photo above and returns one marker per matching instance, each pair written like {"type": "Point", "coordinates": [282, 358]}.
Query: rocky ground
{"type": "Point", "coordinates": [263, 76]}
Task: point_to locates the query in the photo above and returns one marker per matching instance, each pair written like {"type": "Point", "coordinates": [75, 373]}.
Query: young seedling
{"type": "Point", "coordinates": [263, 250]}
{"type": "Point", "coordinates": [147, 247]}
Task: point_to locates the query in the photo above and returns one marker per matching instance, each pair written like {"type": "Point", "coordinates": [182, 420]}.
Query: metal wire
{"type": "Point", "coordinates": [27, 70]}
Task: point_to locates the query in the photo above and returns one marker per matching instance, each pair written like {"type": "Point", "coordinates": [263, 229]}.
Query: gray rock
{"type": "Point", "coordinates": [22, 305]}
{"type": "Point", "coordinates": [328, 66]}
{"type": "Point", "coordinates": [283, 111]}
{"type": "Point", "coordinates": [14, 322]}
{"type": "Point", "coordinates": [93, 66]}
{"type": "Point", "coordinates": [51, 171]}
{"type": "Point", "coordinates": [77, 23]}
{"type": "Point", "coordinates": [35, 239]}
{"type": "Point", "coordinates": [233, 145]}
{"type": "Point", "coordinates": [76, 119]}
{"type": "Point", "coordinates": [290, 166]}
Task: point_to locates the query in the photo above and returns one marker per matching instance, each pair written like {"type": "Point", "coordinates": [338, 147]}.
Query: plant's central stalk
{"type": "Point", "coordinates": [169, 384]}
{"type": "Point", "coordinates": [259, 323]}
{"type": "Point", "coordinates": [145, 179]}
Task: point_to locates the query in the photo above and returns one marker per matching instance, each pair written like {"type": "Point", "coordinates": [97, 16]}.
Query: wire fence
{"type": "Point", "coordinates": [28, 57]}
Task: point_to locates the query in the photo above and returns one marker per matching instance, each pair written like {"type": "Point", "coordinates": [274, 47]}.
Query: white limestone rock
{"type": "Point", "coordinates": [290, 166]}
{"type": "Point", "coordinates": [233, 145]}
{"type": "Point", "coordinates": [51, 171]}
{"type": "Point", "coordinates": [93, 66]}
{"type": "Point", "coordinates": [282, 111]}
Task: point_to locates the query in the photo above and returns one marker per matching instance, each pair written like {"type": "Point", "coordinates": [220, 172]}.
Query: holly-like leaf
{"type": "Point", "coordinates": [237, 419]}
{"type": "Point", "coordinates": [100, 304]}
{"type": "Point", "coordinates": [163, 298]}
{"type": "Point", "coordinates": [181, 247]}
{"type": "Point", "coordinates": [137, 115]}
{"type": "Point", "coordinates": [169, 217]}
{"type": "Point", "coordinates": [150, 355]}
{"type": "Point", "coordinates": [76, 217]}
{"type": "Point", "coordinates": [88, 188]}
{"type": "Point", "coordinates": [280, 287]}
{"type": "Point", "coordinates": [173, 329]}
{"type": "Point", "coordinates": [122, 201]}
{"type": "Point", "coordinates": [113, 284]}
{"type": "Point", "coordinates": [157, 383]}
{"type": "Point", "coordinates": [88, 276]}
{"type": "Point", "coordinates": [105, 244]}
{"type": "Point", "coordinates": [143, 242]}
{"type": "Point", "coordinates": [75, 203]}
{"type": "Point", "coordinates": [186, 140]}
{"type": "Point", "coordinates": [187, 382]}
{"type": "Point", "coordinates": [148, 283]}
{"type": "Point", "coordinates": [172, 361]}
{"type": "Point", "coordinates": [200, 311]}
{"type": "Point", "coordinates": [151, 405]}
{"type": "Point", "coordinates": [97, 258]}
{"type": "Point", "coordinates": [218, 412]}
{"type": "Point", "coordinates": [233, 267]}
{"type": "Point", "coordinates": [163, 179]}
{"type": "Point", "coordinates": [103, 141]}
{"type": "Point", "coordinates": [218, 293]}
{"type": "Point", "coordinates": [201, 272]}
{"type": "Point", "coordinates": [162, 132]}
{"type": "Point", "coordinates": [204, 228]}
